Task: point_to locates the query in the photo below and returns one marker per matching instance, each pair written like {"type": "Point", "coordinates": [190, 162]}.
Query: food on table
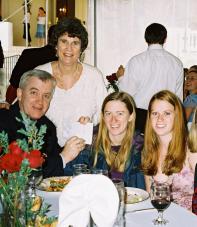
{"type": "Point", "coordinates": [54, 184]}
{"type": "Point", "coordinates": [133, 197]}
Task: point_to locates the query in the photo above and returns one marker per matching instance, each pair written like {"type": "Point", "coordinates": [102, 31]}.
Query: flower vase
{"type": "Point", "coordinates": [13, 216]}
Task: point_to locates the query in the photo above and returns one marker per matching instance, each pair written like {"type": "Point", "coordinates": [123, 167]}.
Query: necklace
{"type": "Point", "coordinates": [62, 74]}
{"type": "Point", "coordinates": [67, 81]}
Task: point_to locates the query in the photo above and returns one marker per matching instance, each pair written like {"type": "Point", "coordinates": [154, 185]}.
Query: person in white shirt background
{"type": "Point", "coordinates": [27, 17]}
{"type": "Point", "coordinates": [41, 21]}
{"type": "Point", "coordinates": [152, 70]}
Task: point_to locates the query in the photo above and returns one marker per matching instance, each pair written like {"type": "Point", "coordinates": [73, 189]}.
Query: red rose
{"type": "Point", "coordinates": [25, 155]}
{"type": "Point", "coordinates": [10, 162]}
{"type": "Point", "coordinates": [35, 159]}
{"type": "Point", "coordinates": [112, 78]}
{"type": "Point", "coordinates": [15, 149]}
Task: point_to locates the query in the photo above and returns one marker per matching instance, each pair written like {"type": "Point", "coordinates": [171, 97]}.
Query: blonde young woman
{"type": "Point", "coordinates": [165, 157]}
{"type": "Point", "coordinates": [118, 146]}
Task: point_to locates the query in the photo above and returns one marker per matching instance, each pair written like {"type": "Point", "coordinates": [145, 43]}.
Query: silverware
{"type": "Point", "coordinates": [139, 210]}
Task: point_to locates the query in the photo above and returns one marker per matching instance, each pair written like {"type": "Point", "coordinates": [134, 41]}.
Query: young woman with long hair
{"type": "Point", "coordinates": [117, 147]}
{"type": "Point", "coordinates": [165, 157]}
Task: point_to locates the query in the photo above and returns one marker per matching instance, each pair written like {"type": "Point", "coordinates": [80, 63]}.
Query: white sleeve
{"type": "Point", "coordinates": [127, 82]}
{"type": "Point", "coordinates": [179, 85]}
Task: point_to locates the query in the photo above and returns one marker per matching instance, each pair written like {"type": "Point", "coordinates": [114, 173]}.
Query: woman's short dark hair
{"type": "Point", "coordinates": [74, 28]}
{"type": "Point", "coordinates": [155, 33]}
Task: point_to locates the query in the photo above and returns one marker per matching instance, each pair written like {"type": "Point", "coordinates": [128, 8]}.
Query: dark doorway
{"type": "Point", "coordinates": [65, 8]}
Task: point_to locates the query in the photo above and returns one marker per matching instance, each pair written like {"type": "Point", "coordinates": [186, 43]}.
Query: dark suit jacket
{"type": "Point", "coordinates": [140, 123]}
{"type": "Point", "coordinates": [53, 165]}
{"type": "Point", "coordinates": [29, 59]}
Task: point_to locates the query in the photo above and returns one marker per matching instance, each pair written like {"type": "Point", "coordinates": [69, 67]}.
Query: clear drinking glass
{"type": "Point", "coordinates": [160, 198]}
{"type": "Point", "coordinates": [80, 169]}
{"type": "Point", "coordinates": [100, 171]}
{"type": "Point", "coordinates": [119, 183]}
{"type": "Point", "coordinates": [35, 179]}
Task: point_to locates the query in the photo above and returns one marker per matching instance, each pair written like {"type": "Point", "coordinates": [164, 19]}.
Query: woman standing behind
{"type": "Point", "coordinates": [80, 87]}
{"type": "Point", "coordinates": [165, 158]}
{"type": "Point", "coordinates": [117, 147]}
{"type": "Point", "coordinates": [41, 21]}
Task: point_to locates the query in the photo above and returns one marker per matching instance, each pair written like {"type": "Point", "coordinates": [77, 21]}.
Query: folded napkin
{"type": "Point", "coordinates": [87, 194]}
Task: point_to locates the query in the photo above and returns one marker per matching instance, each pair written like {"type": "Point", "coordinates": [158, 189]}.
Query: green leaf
{"type": "Point", "coordinates": [4, 141]}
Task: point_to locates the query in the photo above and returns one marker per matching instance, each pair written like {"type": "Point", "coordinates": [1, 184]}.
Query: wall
{"type": "Point", "coordinates": [81, 7]}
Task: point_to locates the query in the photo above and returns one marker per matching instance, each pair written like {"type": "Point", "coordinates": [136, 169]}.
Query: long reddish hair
{"type": "Point", "coordinates": [176, 153]}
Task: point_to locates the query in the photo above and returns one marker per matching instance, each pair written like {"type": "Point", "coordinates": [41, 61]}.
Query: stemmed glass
{"type": "Point", "coordinates": [35, 179]}
{"type": "Point", "coordinates": [119, 183]}
{"type": "Point", "coordinates": [160, 198]}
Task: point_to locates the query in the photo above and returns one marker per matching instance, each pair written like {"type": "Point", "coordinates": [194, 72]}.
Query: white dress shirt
{"type": "Point", "coordinates": [152, 71]}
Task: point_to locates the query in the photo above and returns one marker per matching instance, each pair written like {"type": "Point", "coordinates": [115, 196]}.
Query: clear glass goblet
{"type": "Point", "coordinates": [160, 198]}
{"type": "Point", "coordinates": [119, 183]}
{"type": "Point", "coordinates": [35, 179]}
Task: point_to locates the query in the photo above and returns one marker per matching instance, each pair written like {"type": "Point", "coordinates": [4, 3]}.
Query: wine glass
{"type": "Point", "coordinates": [119, 184]}
{"type": "Point", "coordinates": [160, 198]}
{"type": "Point", "coordinates": [35, 179]}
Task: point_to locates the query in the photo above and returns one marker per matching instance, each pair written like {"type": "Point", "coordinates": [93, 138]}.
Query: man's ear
{"type": "Point", "coordinates": [19, 93]}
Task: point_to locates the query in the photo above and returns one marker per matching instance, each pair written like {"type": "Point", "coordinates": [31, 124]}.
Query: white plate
{"type": "Point", "coordinates": [135, 195]}
{"type": "Point", "coordinates": [45, 184]}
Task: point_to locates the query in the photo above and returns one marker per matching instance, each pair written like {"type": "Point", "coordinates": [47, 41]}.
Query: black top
{"type": "Point", "coordinates": [53, 165]}
{"type": "Point", "coordinates": [29, 59]}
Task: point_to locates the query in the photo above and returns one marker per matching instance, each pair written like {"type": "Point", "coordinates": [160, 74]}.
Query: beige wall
{"type": "Point", "coordinates": [81, 9]}
{"type": "Point", "coordinates": [10, 6]}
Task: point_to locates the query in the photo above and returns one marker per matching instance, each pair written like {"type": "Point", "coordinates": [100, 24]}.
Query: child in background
{"type": "Point", "coordinates": [41, 21]}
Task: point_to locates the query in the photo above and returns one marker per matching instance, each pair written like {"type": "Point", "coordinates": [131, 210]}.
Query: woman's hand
{"type": "Point", "coordinates": [72, 148]}
{"type": "Point", "coordinates": [84, 120]}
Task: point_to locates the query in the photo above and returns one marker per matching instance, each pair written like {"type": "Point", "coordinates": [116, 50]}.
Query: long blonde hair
{"type": "Point", "coordinates": [103, 141]}
{"type": "Point", "coordinates": [176, 153]}
{"type": "Point", "coordinates": [192, 137]}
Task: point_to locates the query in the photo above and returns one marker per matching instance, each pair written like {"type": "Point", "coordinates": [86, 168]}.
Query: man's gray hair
{"type": "Point", "coordinates": [37, 73]}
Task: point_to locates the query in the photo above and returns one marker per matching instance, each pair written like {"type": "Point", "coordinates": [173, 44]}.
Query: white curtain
{"type": "Point", "coordinates": [120, 26]}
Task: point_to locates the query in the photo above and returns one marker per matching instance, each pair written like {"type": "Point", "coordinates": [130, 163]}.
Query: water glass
{"type": "Point", "coordinates": [80, 169]}
{"type": "Point", "coordinates": [100, 171]}
{"type": "Point", "coordinates": [119, 183]}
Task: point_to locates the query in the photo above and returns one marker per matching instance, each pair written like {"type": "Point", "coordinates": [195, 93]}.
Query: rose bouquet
{"type": "Point", "coordinates": [112, 80]}
{"type": "Point", "coordinates": [17, 162]}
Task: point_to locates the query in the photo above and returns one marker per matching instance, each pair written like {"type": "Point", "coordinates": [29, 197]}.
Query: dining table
{"type": "Point", "coordinates": [140, 214]}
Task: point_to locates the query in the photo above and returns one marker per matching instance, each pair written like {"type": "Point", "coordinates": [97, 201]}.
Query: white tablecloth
{"type": "Point", "coordinates": [176, 215]}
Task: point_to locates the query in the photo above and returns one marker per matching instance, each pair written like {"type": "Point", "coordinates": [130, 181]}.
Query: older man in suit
{"type": "Point", "coordinates": [34, 95]}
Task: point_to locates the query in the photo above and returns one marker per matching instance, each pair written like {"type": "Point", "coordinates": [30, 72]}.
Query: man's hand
{"type": "Point", "coordinates": [72, 148]}
{"type": "Point", "coordinates": [4, 105]}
